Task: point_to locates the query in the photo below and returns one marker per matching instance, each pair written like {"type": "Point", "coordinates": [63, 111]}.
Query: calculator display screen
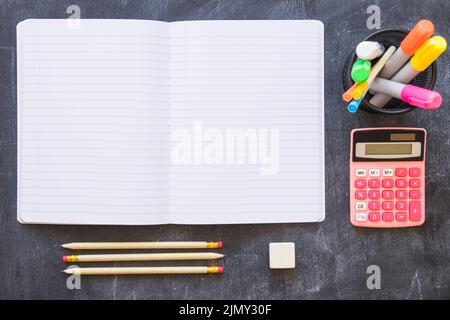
{"type": "Point", "coordinates": [390, 148]}
{"type": "Point", "coordinates": [388, 144]}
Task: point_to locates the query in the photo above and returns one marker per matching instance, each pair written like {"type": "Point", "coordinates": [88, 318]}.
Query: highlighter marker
{"type": "Point", "coordinates": [362, 89]}
{"type": "Point", "coordinates": [347, 95]}
{"type": "Point", "coordinates": [422, 59]}
{"type": "Point", "coordinates": [360, 70]}
{"type": "Point", "coordinates": [354, 105]}
{"type": "Point", "coordinates": [413, 40]}
{"type": "Point", "coordinates": [415, 96]}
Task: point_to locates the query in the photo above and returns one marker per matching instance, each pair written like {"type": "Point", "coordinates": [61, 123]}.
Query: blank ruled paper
{"type": "Point", "coordinates": [93, 122]}
{"type": "Point", "coordinates": [251, 76]}
{"type": "Point", "coordinates": [104, 110]}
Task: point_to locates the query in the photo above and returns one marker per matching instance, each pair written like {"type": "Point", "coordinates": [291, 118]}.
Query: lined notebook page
{"type": "Point", "coordinates": [248, 75]}
{"type": "Point", "coordinates": [92, 122]}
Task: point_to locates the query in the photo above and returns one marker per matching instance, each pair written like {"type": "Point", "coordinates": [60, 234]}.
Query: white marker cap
{"type": "Point", "coordinates": [369, 50]}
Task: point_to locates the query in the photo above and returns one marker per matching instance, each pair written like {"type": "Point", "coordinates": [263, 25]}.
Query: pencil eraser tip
{"type": "Point", "coordinates": [219, 244]}
{"type": "Point", "coordinates": [64, 258]}
{"type": "Point", "coordinates": [220, 269]}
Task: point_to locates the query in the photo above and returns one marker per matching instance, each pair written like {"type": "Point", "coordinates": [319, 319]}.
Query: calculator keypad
{"type": "Point", "coordinates": [386, 196]}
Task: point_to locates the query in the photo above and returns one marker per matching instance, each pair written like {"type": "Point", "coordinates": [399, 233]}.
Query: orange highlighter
{"type": "Point", "coordinates": [413, 40]}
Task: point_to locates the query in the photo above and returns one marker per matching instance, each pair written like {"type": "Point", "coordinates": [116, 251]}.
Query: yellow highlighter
{"type": "Point", "coordinates": [359, 91]}
{"type": "Point", "coordinates": [422, 59]}
{"type": "Point", "coordinates": [426, 54]}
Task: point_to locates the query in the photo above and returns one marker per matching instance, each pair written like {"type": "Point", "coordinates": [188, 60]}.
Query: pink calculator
{"type": "Point", "coordinates": [387, 177]}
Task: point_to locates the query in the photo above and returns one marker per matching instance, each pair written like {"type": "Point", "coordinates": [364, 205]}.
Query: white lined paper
{"type": "Point", "coordinates": [96, 107]}
{"type": "Point", "coordinates": [93, 122]}
{"type": "Point", "coordinates": [249, 74]}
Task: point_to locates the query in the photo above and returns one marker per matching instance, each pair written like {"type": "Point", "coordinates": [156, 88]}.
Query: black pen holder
{"type": "Point", "coordinates": [389, 37]}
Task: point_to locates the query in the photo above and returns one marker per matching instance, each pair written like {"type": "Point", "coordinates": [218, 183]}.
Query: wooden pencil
{"type": "Point", "coordinates": [143, 257]}
{"type": "Point", "coordinates": [144, 270]}
{"type": "Point", "coordinates": [143, 245]}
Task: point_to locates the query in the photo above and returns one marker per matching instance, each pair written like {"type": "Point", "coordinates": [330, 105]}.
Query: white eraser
{"type": "Point", "coordinates": [282, 255]}
{"type": "Point", "coordinates": [369, 50]}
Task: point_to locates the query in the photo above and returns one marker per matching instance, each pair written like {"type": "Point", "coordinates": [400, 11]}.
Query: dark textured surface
{"type": "Point", "coordinates": [332, 256]}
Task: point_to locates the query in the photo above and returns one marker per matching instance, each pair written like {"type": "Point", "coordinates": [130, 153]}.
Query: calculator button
{"type": "Point", "coordinates": [387, 194]}
{"type": "Point", "coordinates": [360, 183]}
{"type": "Point", "coordinates": [360, 172]}
{"type": "Point", "coordinates": [360, 195]}
{"type": "Point", "coordinates": [401, 216]}
{"type": "Point", "coordinates": [374, 205]}
{"type": "Point", "coordinates": [388, 172]}
{"type": "Point", "coordinates": [361, 217]}
{"type": "Point", "coordinates": [374, 194]}
{"type": "Point", "coordinates": [414, 172]}
{"type": "Point", "coordinates": [387, 183]}
{"type": "Point", "coordinates": [374, 183]}
{"type": "Point", "coordinates": [401, 183]}
{"type": "Point", "coordinates": [401, 172]}
{"type": "Point", "coordinates": [374, 216]}
{"type": "Point", "coordinates": [401, 205]}
{"type": "Point", "coordinates": [414, 183]}
{"type": "Point", "coordinates": [414, 211]}
{"type": "Point", "coordinates": [414, 194]}
{"type": "Point", "coordinates": [374, 172]}
{"type": "Point", "coordinates": [388, 205]}
{"type": "Point", "coordinates": [401, 194]}
{"type": "Point", "coordinates": [388, 216]}
{"type": "Point", "coordinates": [360, 206]}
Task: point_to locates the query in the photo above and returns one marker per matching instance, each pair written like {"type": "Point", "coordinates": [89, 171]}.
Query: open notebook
{"type": "Point", "coordinates": [147, 122]}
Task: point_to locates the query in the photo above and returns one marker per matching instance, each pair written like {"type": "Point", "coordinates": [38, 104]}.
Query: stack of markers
{"type": "Point", "coordinates": [390, 76]}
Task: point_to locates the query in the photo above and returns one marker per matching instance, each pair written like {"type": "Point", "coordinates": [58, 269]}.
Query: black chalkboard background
{"type": "Point", "coordinates": [332, 257]}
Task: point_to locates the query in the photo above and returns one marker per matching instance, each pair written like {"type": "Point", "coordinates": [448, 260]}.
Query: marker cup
{"type": "Point", "coordinates": [389, 37]}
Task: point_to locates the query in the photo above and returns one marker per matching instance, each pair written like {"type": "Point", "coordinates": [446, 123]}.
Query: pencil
{"type": "Point", "coordinates": [362, 88]}
{"type": "Point", "coordinates": [143, 257]}
{"type": "Point", "coordinates": [359, 93]}
{"type": "Point", "coordinates": [143, 245]}
{"type": "Point", "coordinates": [144, 270]}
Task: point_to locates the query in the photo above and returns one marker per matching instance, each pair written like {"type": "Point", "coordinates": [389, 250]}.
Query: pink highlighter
{"type": "Point", "coordinates": [415, 96]}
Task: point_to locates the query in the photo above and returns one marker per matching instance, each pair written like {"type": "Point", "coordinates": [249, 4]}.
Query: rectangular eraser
{"type": "Point", "coordinates": [282, 255]}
